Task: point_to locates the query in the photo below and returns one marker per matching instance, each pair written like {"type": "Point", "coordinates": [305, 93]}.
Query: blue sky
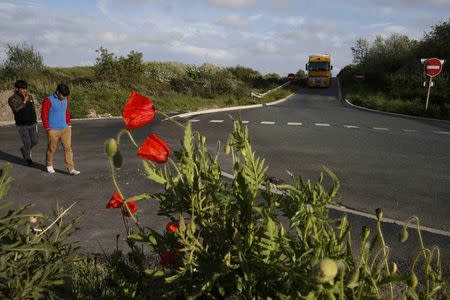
{"type": "Point", "coordinates": [266, 35]}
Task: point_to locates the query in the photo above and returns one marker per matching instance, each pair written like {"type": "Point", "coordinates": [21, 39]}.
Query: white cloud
{"type": "Point", "coordinates": [396, 29]}
{"type": "Point", "coordinates": [206, 53]}
{"type": "Point", "coordinates": [255, 17]}
{"type": "Point", "coordinates": [114, 37]}
{"type": "Point", "coordinates": [233, 21]}
{"type": "Point", "coordinates": [267, 48]}
{"type": "Point", "coordinates": [232, 3]}
{"type": "Point", "coordinates": [295, 21]}
{"type": "Point", "coordinates": [376, 25]}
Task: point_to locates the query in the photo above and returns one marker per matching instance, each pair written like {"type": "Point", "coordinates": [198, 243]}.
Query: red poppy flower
{"type": "Point", "coordinates": [132, 206]}
{"type": "Point", "coordinates": [138, 111]}
{"type": "Point", "coordinates": [115, 201]}
{"type": "Point", "coordinates": [154, 149]}
{"type": "Point", "coordinates": [168, 259]}
{"type": "Point", "coordinates": [171, 227]}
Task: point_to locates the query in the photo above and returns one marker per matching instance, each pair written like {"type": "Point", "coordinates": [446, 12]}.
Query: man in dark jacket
{"type": "Point", "coordinates": [24, 110]}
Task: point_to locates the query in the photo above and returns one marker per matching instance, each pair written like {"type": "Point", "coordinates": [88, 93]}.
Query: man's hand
{"type": "Point", "coordinates": [26, 97]}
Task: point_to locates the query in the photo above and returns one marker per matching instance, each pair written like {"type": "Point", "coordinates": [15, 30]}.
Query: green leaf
{"type": "Point", "coordinates": [154, 273]}
{"type": "Point", "coordinates": [136, 237]}
{"type": "Point", "coordinates": [393, 278]}
{"type": "Point", "coordinates": [139, 197]}
{"type": "Point", "coordinates": [152, 174]}
{"type": "Point", "coordinates": [41, 247]}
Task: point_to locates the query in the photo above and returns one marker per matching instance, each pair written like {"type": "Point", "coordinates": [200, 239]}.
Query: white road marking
{"type": "Point", "coordinates": [245, 122]}
{"type": "Point", "coordinates": [323, 124]}
{"type": "Point", "coordinates": [442, 132]}
{"type": "Point", "coordinates": [294, 123]}
{"type": "Point", "coordinates": [267, 123]}
{"type": "Point", "coordinates": [380, 128]}
{"type": "Point", "coordinates": [216, 121]}
{"type": "Point", "coordinates": [409, 130]}
{"type": "Point", "coordinates": [194, 120]}
{"type": "Point", "coordinates": [359, 213]}
{"type": "Point", "coordinates": [351, 126]}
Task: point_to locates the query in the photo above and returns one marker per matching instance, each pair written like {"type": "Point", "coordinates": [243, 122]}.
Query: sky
{"type": "Point", "coordinates": [265, 35]}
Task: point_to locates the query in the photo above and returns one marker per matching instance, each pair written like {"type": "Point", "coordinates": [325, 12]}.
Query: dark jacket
{"type": "Point", "coordinates": [24, 114]}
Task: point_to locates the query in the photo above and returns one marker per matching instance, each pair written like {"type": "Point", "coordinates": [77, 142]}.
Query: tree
{"type": "Point", "coordinates": [436, 44]}
{"type": "Point", "coordinates": [360, 50]}
{"type": "Point", "coordinates": [300, 74]}
{"type": "Point", "coordinates": [124, 71]}
{"type": "Point", "coordinates": [22, 61]}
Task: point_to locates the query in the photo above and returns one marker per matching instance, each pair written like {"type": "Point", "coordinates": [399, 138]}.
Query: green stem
{"type": "Point", "coordinates": [124, 131]}
{"type": "Point", "coordinates": [383, 244]}
{"type": "Point", "coordinates": [176, 168]}
{"type": "Point", "coordinates": [172, 119]}
{"type": "Point", "coordinates": [116, 185]}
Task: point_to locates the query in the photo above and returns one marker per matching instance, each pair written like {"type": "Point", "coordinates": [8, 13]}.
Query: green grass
{"type": "Point", "coordinates": [378, 100]}
{"type": "Point", "coordinates": [173, 102]}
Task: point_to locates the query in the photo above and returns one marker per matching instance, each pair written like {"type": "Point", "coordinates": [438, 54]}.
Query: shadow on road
{"type": "Point", "coordinates": [19, 161]}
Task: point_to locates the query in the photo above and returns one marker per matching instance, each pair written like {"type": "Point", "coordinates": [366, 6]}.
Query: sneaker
{"type": "Point", "coordinates": [74, 172]}
{"type": "Point", "coordinates": [50, 169]}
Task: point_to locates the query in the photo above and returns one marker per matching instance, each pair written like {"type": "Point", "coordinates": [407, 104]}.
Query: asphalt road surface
{"type": "Point", "coordinates": [395, 163]}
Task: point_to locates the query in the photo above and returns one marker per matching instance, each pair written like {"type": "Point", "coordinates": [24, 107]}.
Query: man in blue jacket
{"type": "Point", "coordinates": [56, 121]}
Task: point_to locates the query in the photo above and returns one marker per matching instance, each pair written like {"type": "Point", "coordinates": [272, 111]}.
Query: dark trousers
{"type": "Point", "coordinates": [29, 137]}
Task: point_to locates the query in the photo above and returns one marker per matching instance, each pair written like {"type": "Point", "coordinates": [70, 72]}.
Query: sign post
{"type": "Point", "coordinates": [431, 67]}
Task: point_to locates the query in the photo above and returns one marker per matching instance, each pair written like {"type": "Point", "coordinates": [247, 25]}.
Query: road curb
{"type": "Point", "coordinates": [345, 101]}
{"type": "Point", "coordinates": [215, 110]}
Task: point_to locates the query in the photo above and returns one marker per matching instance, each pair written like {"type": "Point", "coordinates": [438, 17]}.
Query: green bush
{"type": "Point", "coordinates": [35, 257]}
{"type": "Point", "coordinates": [228, 239]}
{"type": "Point", "coordinates": [127, 72]}
{"type": "Point", "coordinates": [22, 61]}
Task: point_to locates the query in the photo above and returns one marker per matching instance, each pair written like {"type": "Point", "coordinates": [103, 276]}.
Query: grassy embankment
{"type": "Point", "coordinates": [90, 94]}
{"type": "Point", "coordinates": [413, 104]}
{"type": "Point", "coordinates": [387, 74]}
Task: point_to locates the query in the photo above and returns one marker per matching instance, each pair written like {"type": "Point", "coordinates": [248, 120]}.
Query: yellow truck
{"type": "Point", "coordinates": [319, 70]}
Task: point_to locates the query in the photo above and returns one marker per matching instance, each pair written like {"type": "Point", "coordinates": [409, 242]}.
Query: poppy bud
{"type": "Point", "coordinates": [111, 147]}
{"type": "Point", "coordinates": [365, 232]}
{"type": "Point", "coordinates": [202, 139]}
{"type": "Point", "coordinates": [117, 159]}
{"type": "Point", "coordinates": [379, 213]}
{"type": "Point", "coordinates": [403, 235]}
{"type": "Point", "coordinates": [33, 219]}
{"type": "Point", "coordinates": [393, 268]}
{"type": "Point", "coordinates": [325, 270]}
{"type": "Point", "coordinates": [412, 281]}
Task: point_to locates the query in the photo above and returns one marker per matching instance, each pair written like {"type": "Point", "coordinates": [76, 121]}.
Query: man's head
{"type": "Point", "coordinates": [21, 87]}
{"type": "Point", "coordinates": [62, 90]}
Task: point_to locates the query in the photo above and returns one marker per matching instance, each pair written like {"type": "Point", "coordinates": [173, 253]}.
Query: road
{"type": "Point", "coordinates": [398, 164]}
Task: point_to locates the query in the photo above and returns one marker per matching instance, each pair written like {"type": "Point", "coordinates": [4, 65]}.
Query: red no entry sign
{"type": "Point", "coordinates": [432, 67]}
